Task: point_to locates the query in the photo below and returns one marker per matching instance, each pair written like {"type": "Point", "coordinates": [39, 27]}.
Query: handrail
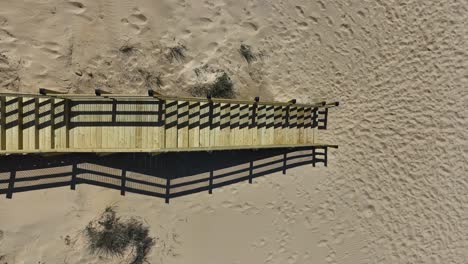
{"type": "Point", "coordinates": [100, 95]}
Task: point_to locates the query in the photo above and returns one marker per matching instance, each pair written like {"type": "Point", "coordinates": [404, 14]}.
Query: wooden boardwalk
{"type": "Point", "coordinates": [108, 123]}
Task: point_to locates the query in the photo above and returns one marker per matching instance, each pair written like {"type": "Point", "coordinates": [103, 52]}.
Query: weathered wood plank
{"type": "Point", "coordinates": [194, 124]}
{"type": "Point", "coordinates": [254, 123]}
{"type": "Point", "coordinates": [11, 113]}
{"type": "Point", "coordinates": [214, 126]}
{"type": "Point", "coordinates": [300, 125]}
{"type": "Point", "coordinates": [52, 123]}
{"type": "Point", "coordinates": [20, 123]}
{"type": "Point", "coordinates": [261, 124]}
{"type": "Point", "coordinates": [204, 125]}
{"type": "Point", "coordinates": [171, 124]}
{"type": "Point", "coordinates": [269, 125]}
{"type": "Point", "coordinates": [235, 133]}
{"type": "Point", "coordinates": [307, 125]}
{"type": "Point", "coordinates": [277, 124]}
{"type": "Point", "coordinates": [182, 124]}
{"type": "Point", "coordinates": [2, 123]}
{"type": "Point", "coordinates": [243, 124]}
{"type": "Point", "coordinates": [67, 109]}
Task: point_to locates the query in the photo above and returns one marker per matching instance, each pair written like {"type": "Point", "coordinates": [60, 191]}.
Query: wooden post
{"type": "Point", "coordinates": [3, 123]}
{"type": "Point", "coordinates": [20, 122]}
{"type": "Point", "coordinates": [211, 141]}
{"type": "Point", "coordinates": [123, 180]}
{"type": "Point", "coordinates": [100, 92]}
{"type": "Point", "coordinates": [52, 123]}
{"type": "Point", "coordinates": [73, 179]}
{"type": "Point", "coordinates": [324, 120]}
{"type": "Point", "coordinates": [44, 91]}
{"type": "Point", "coordinates": [114, 111]}
{"type": "Point", "coordinates": [162, 117]}
{"type": "Point", "coordinates": [67, 115]}
{"type": "Point", "coordinates": [254, 112]}
{"type": "Point", "coordinates": [11, 184]}
{"type": "Point", "coordinates": [36, 123]}
{"type": "Point", "coordinates": [314, 117]}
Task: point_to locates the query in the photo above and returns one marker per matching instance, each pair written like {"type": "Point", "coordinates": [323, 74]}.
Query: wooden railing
{"type": "Point", "coordinates": [51, 122]}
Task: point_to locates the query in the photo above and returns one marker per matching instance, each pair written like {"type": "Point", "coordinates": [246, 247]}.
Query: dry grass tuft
{"type": "Point", "coordinates": [112, 236]}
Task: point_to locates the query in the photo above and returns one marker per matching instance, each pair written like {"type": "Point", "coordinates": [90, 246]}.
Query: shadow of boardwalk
{"type": "Point", "coordinates": [165, 175]}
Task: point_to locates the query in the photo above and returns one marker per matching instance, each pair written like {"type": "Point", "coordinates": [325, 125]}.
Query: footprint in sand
{"type": "Point", "coordinates": [206, 20]}
{"type": "Point", "coordinates": [53, 48]}
{"type": "Point", "coordinates": [76, 7]}
{"type": "Point", "coordinates": [6, 36]}
{"type": "Point", "coordinates": [138, 19]}
{"type": "Point", "coordinates": [136, 22]}
{"type": "Point", "coordinates": [250, 26]}
{"type": "Point", "coordinates": [300, 10]}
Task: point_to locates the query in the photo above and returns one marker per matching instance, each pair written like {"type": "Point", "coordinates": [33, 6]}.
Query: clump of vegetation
{"type": "Point", "coordinates": [112, 236]}
{"type": "Point", "coordinates": [222, 87]}
{"type": "Point", "coordinates": [151, 79]}
{"type": "Point", "coordinates": [128, 49]}
{"type": "Point", "coordinates": [176, 53]}
{"type": "Point", "coordinates": [247, 53]}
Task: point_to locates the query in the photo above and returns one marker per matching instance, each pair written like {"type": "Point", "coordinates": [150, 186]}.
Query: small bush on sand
{"type": "Point", "coordinates": [151, 79]}
{"type": "Point", "coordinates": [128, 49]}
{"type": "Point", "coordinates": [176, 53]}
{"type": "Point", "coordinates": [222, 87]}
{"type": "Point", "coordinates": [109, 235]}
{"type": "Point", "coordinates": [247, 53]}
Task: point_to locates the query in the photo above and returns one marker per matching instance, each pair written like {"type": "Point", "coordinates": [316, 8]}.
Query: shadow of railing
{"type": "Point", "coordinates": [165, 175]}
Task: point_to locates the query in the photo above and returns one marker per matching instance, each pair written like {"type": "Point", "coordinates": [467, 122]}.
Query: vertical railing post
{"type": "Point", "coordinates": [314, 117]}
{"type": "Point", "coordinates": [2, 123]}
{"type": "Point", "coordinates": [67, 116]}
{"type": "Point", "coordinates": [254, 112]}
{"type": "Point", "coordinates": [20, 122]}
{"type": "Point", "coordinates": [36, 123]}
{"type": "Point", "coordinates": [52, 123]}
{"type": "Point", "coordinates": [114, 111]}
{"type": "Point", "coordinates": [162, 120]}
{"type": "Point", "coordinates": [210, 122]}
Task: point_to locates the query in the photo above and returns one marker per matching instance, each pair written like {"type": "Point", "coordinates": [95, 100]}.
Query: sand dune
{"type": "Point", "coordinates": [394, 192]}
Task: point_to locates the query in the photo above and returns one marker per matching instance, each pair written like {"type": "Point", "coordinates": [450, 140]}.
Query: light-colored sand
{"type": "Point", "coordinates": [395, 192]}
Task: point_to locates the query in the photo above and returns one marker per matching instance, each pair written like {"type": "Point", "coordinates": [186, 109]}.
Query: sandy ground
{"type": "Point", "coordinates": [395, 192]}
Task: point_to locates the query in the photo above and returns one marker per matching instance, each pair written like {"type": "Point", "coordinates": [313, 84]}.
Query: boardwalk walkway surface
{"type": "Point", "coordinates": [108, 123]}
